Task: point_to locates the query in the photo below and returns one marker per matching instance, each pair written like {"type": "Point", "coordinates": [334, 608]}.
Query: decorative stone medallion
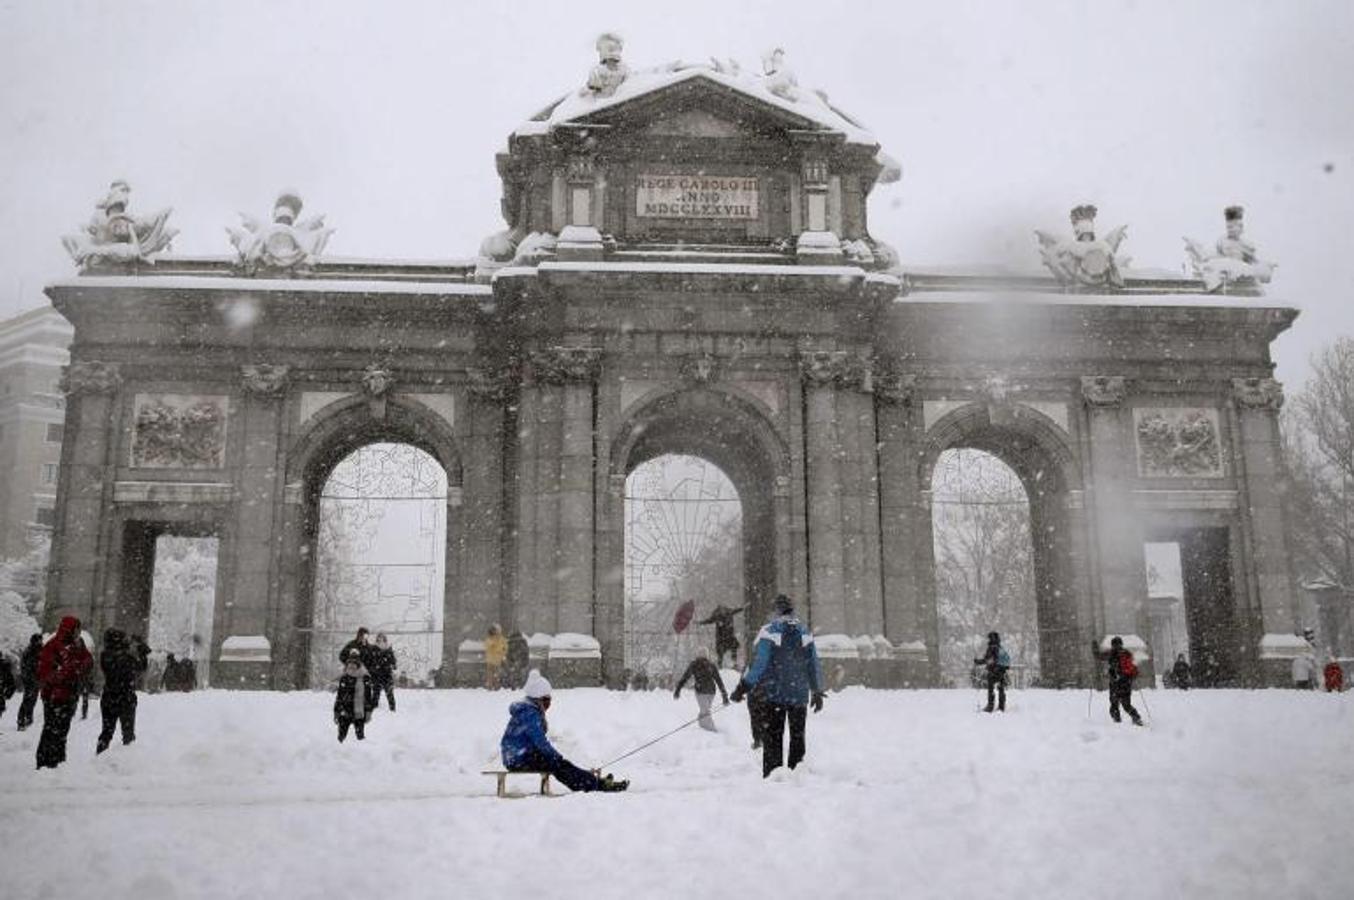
{"type": "Point", "coordinates": [1258, 393]}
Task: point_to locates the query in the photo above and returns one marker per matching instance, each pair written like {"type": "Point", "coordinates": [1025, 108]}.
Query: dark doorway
{"type": "Point", "coordinates": [1206, 587]}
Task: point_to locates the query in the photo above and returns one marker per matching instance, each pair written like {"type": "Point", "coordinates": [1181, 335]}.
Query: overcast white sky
{"type": "Point", "coordinates": [387, 116]}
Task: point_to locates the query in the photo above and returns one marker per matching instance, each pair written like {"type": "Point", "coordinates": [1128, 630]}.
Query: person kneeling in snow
{"type": "Point", "coordinates": [525, 748]}
{"type": "Point", "coordinates": [356, 697]}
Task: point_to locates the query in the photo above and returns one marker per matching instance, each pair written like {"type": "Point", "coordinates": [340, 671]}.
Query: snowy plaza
{"type": "Point", "coordinates": [903, 794]}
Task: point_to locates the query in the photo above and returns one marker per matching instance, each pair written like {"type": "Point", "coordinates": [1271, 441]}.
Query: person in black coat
{"type": "Point", "coordinates": [7, 682]}
{"type": "Point", "coordinates": [995, 663]}
{"type": "Point", "coordinates": [122, 663]}
{"type": "Point", "coordinates": [518, 661]}
{"type": "Point", "coordinates": [364, 647]}
{"type": "Point", "coordinates": [382, 670]}
{"type": "Point", "coordinates": [707, 680]}
{"type": "Point", "coordinates": [1180, 672]}
{"type": "Point", "coordinates": [355, 699]}
{"type": "Point", "coordinates": [28, 678]}
{"type": "Point", "coordinates": [1122, 669]}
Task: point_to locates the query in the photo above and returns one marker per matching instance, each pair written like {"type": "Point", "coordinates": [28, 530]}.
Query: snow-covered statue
{"type": "Point", "coordinates": [284, 243]}
{"type": "Point", "coordinates": [777, 76]}
{"type": "Point", "coordinates": [1235, 258]}
{"type": "Point", "coordinates": [1084, 260]}
{"type": "Point", "coordinates": [610, 70]}
{"type": "Point", "coordinates": [115, 236]}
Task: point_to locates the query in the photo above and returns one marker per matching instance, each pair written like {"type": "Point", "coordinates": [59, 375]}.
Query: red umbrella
{"type": "Point", "coordinates": [682, 618]}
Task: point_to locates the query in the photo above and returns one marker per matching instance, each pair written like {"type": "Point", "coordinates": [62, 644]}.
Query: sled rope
{"type": "Point", "coordinates": [661, 737]}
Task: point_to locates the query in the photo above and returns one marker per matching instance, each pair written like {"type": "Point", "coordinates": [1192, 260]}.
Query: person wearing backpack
{"type": "Point", "coordinates": [996, 661]}
{"type": "Point", "coordinates": [1122, 670]}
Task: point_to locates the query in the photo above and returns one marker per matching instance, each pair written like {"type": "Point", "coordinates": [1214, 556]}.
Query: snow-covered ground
{"type": "Point", "coordinates": [904, 794]}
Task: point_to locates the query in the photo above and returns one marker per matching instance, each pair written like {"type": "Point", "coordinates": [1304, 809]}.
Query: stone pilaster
{"type": "Point", "coordinates": [481, 601]}
{"type": "Point", "coordinates": [1121, 576]}
{"type": "Point", "coordinates": [84, 495]}
{"type": "Point", "coordinates": [1257, 402]}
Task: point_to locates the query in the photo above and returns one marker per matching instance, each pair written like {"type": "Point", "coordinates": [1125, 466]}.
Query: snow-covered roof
{"type": "Point", "coordinates": [810, 105]}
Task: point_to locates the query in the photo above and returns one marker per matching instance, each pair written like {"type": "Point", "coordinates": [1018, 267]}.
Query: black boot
{"type": "Point", "coordinates": [609, 785]}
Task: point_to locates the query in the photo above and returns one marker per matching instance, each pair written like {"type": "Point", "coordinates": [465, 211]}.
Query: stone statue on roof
{"type": "Point", "coordinates": [284, 243]}
{"type": "Point", "coordinates": [1235, 259]}
{"type": "Point", "coordinates": [1084, 260]}
{"type": "Point", "coordinates": [113, 235]}
{"type": "Point", "coordinates": [777, 76]}
{"type": "Point", "coordinates": [610, 70]}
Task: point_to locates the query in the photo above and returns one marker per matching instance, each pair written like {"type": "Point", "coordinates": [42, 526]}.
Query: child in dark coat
{"type": "Point", "coordinates": [355, 699]}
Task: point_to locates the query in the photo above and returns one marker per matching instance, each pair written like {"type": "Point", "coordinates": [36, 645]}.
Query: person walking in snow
{"type": "Point", "coordinates": [525, 747]}
{"type": "Point", "coordinates": [495, 653]}
{"type": "Point", "coordinates": [707, 680]}
{"type": "Point", "coordinates": [122, 663]}
{"type": "Point", "coordinates": [1122, 669]}
{"type": "Point", "coordinates": [62, 662]}
{"type": "Point", "coordinates": [518, 660]}
{"type": "Point", "coordinates": [382, 671]}
{"type": "Point", "coordinates": [355, 699]}
{"type": "Point", "coordinates": [86, 687]}
{"type": "Point", "coordinates": [995, 662]}
{"type": "Point", "coordinates": [1333, 676]}
{"type": "Point", "coordinates": [28, 679]}
{"type": "Point", "coordinates": [785, 663]}
{"type": "Point", "coordinates": [1180, 673]}
{"type": "Point", "coordinates": [7, 681]}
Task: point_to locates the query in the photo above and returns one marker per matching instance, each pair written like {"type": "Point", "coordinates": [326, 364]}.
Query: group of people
{"type": "Point", "coordinates": [506, 659]}
{"type": "Point", "coordinates": [368, 672]}
{"type": "Point", "coordinates": [1121, 671]}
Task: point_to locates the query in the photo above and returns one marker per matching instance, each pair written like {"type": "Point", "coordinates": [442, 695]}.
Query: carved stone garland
{"type": "Point", "coordinates": [90, 377]}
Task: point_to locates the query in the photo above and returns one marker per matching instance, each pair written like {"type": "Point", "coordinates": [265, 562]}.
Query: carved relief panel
{"type": "Point", "coordinates": [179, 431]}
{"type": "Point", "coordinates": [1178, 442]}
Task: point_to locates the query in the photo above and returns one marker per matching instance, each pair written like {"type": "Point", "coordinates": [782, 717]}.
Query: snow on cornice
{"type": "Point", "coordinates": [811, 104]}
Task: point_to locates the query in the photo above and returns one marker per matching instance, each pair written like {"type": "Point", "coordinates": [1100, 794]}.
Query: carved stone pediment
{"type": "Point", "coordinates": [1258, 393]}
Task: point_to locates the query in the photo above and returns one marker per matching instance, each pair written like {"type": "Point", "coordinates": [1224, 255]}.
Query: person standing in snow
{"type": "Point", "coordinates": [725, 640]}
{"type": "Point", "coordinates": [707, 679]}
{"type": "Point", "coordinates": [785, 663]}
{"type": "Point", "coordinates": [518, 659]}
{"type": "Point", "coordinates": [1304, 672]}
{"type": "Point", "coordinates": [86, 687]}
{"type": "Point", "coordinates": [382, 670]}
{"type": "Point", "coordinates": [1180, 672]}
{"type": "Point", "coordinates": [122, 663]}
{"type": "Point", "coordinates": [996, 661]}
{"type": "Point", "coordinates": [1333, 676]}
{"type": "Point", "coordinates": [495, 653]}
{"type": "Point", "coordinates": [361, 645]}
{"type": "Point", "coordinates": [62, 662]}
{"type": "Point", "coordinates": [355, 699]}
{"type": "Point", "coordinates": [1122, 669]}
{"type": "Point", "coordinates": [7, 682]}
{"type": "Point", "coordinates": [28, 678]}
{"type": "Point", "coordinates": [525, 747]}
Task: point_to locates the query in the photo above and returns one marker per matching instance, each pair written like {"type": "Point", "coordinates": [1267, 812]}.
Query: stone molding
{"type": "Point", "coordinates": [564, 365]}
{"type": "Point", "coordinates": [90, 377]}
{"type": "Point", "coordinates": [185, 492]}
{"type": "Point", "coordinates": [1258, 393]}
{"type": "Point", "coordinates": [1103, 390]}
{"type": "Point", "coordinates": [836, 368]}
{"type": "Point", "coordinates": [265, 380]}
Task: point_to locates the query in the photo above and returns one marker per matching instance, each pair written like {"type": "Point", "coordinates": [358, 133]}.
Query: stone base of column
{"type": "Point", "coordinates": [245, 663]}
{"type": "Point", "coordinates": [1277, 652]}
{"type": "Point", "coordinates": [818, 248]}
{"type": "Point", "coordinates": [575, 661]}
{"type": "Point", "coordinates": [579, 243]}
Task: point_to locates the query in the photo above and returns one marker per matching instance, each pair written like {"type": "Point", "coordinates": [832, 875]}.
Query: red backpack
{"type": "Point", "coordinates": [1127, 667]}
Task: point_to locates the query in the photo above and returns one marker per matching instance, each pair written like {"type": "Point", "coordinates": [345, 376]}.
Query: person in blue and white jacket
{"type": "Point", "coordinates": [785, 665]}
{"type": "Point", "coordinates": [525, 748]}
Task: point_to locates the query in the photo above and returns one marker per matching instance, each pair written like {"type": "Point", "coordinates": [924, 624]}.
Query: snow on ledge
{"type": "Point", "coordinates": [704, 269]}
{"type": "Point", "coordinates": [836, 646]}
{"type": "Point", "coordinates": [569, 645]}
{"type": "Point", "coordinates": [1284, 646]}
{"type": "Point", "coordinates": [469, 651]}
{"type": "Point", "coordinates": [246, 648]}
{"type": "Point", "coordinates": [280, 285]}
{"type": "Point", "coordinates": [540, 641]}
{"type": "Point", "coordinates": [1017, 297]}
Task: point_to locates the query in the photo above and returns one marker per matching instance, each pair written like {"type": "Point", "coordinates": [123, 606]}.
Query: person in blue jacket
{"type": "Point", "coordinates": [525, 748]}
{"type": "Point", "coordinates": [785, 665]}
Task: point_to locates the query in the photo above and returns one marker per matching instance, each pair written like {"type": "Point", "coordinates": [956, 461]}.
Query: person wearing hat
{"type": "Point", "coordinates": [356, 697]}
{"type": "Point", "coordinates": [785, 665]}
{"type": "Point", "coordinates": [995, 662]}
{"type": "Point", "coordinates": [1122, 670]}
{"type": "Point", "coordinates": [62, 662]}
{"type": "Point", "coordinates": [525, 747]}
{"type": "Point", "coordinates": [361, 645]}
{"type": "Point", "coordinates": [706, 675]}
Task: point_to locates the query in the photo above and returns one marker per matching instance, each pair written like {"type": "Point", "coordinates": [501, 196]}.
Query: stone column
{"type": "Point", "coordinates": [76, 570]}
{"type": "Point", "coordinates": [1122, 570]}
{"type": "Point", "coordinates": [556, 516]}
{"type": "Point", "coordinates": [480, 539]}
{"type": "Point", "coordinates": [1257, 402]}
{"type": "Point", "coordinates": [250, 604]}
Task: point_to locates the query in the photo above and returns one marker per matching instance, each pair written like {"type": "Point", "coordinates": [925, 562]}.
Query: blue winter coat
{"type": "Point", "coordinates": [785, 663]}
{"type": "Point", "coordinates": [525, 733]}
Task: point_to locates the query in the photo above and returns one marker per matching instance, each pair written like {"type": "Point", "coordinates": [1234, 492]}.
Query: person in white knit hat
{"type": "Point", "coordinates": [525, 748]}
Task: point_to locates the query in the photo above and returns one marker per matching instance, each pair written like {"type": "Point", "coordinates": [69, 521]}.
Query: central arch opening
{"type": "Point", "coordinates": [381, 538]}
{"type": "Point", "coordinates": [683, 547]}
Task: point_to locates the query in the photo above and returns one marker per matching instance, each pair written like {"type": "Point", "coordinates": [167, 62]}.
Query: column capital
{"type": "Point", "coordinates": [265, 380]}
{"type": "Point", "coordinates": [488, 384]}
{"type": "Point", "coordinates": [90, 376]}
{"type": "Point", "coordinates": [836, 368]}
{"type": "Point", "coordinates": [1103, 390]}
{"type": "Point", "coordinates": [1258, 393]}
{"type": "Point", "coordinates": [563, 365]}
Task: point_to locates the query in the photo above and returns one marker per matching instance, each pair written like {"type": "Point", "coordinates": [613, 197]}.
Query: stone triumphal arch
{"type": "Point", "coordinates": [686, 268]}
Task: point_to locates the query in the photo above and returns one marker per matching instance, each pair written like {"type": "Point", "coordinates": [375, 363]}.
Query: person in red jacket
{"type": "Point", "coordinates": [1333, 675]}
{"type": "Point", "coordinates": [63, 662]}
